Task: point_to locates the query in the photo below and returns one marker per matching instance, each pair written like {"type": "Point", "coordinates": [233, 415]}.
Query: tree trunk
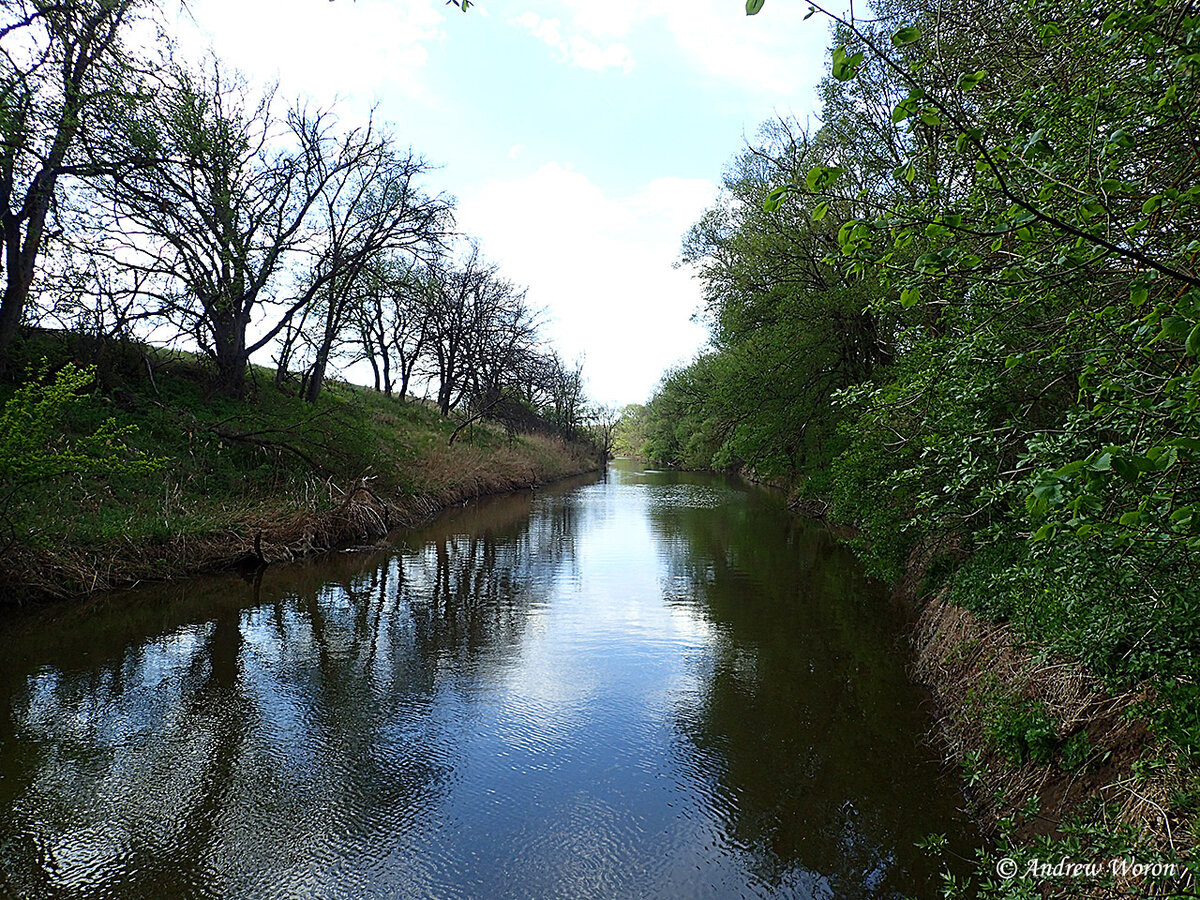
{"type": "Point", "coordinates": [229, 340]}
{"type": "Point", "coordinates": [316, 379]}
{"type": "Point", "coordinates": [20, 255]}
{"type": "Point", "coordinates": [11, 309]}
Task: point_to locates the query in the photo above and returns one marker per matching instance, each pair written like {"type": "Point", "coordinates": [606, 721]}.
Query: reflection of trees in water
{"type": "Point", "coordinates": [806, 717]}
{"type": "Point", "coordinates": [246, 734]}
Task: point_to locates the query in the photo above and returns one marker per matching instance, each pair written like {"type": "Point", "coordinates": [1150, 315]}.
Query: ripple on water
{"type": "Point", "coordinates": [597, 694]}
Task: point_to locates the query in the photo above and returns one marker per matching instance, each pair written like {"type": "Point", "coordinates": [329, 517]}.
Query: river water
{"type": "Point", "coordinates": [654, 685]}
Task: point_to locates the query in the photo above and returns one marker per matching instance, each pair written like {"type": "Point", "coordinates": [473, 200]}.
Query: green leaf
{"type": "Point", "coordinates": [753, 6]}
{"type": "Point", "coordinates": [1184, 515]}
{"type": "Point", "coordinates": [845, 67]}
{"type": "Point", "coordinates": [905, 109]}
{"type": "Point", "coordinates": [1176, 328]}
{"type": "Point", "coordinates": [821, 177]}
{"type": "Point", "coordinates": [1121, 139]}
{"type": "Point", "coordinates": [1046, 531]}
{"type": "Point", "coordinates": [775, 198]}
{"type": "Point", "coordinates": [969, 82]}
{"type": "Point", "coordinates": [909, 297]}
{"type": "Point", "coordinates": [907, 35]}
{"type": "Point", "coordinates": [1037, 143]}
{"type": "Point", "coordinates": [1138, 294]}
{"type": "Point", "coordinates": [820, 211]}
{"type": "Point", "coordinates": [1192, 345]}
{"type": "Point", "coordinates": [1070, 468]}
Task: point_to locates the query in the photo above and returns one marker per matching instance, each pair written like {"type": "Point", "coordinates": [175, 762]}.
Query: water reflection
{"type": "Point", "coordinates": [658, 685]}
{"type": "Point", "coordinates": [807, 713]}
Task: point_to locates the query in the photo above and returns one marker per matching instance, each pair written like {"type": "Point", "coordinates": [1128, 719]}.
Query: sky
{"type": "Point", "coordinates": [580, 138]}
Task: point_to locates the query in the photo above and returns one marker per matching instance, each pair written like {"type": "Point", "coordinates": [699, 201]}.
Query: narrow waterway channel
{"type": "Point", "coordinates": [654, 685]}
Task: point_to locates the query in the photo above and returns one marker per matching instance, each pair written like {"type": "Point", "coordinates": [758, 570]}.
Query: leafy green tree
{"type": "Point", "coordinates": [1034, 249]}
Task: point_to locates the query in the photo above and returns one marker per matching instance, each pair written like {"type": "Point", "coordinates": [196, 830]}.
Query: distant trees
{"type": "Point", "coordinates": [788, 327]}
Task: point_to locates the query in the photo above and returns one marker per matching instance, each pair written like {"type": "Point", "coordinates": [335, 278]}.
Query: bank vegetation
{"type": "Point", "coordinates": [961, 314]}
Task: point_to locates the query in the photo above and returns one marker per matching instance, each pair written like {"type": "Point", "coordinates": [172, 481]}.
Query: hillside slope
{"type": "Point", "coordinates": [243, 482]}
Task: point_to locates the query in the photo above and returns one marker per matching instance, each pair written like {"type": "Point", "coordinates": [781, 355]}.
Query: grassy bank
{"type": "Point", "coordinates": [265, 478]}
{"type": "Point", "coordinates": [1062, 760]}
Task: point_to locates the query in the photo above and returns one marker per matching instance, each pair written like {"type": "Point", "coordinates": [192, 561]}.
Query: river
{"type": "Point", "coordinates": [651, 685]}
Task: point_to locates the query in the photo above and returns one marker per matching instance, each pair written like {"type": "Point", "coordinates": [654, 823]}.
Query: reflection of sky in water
{"type": "Point", "coordinates": [604, 692]}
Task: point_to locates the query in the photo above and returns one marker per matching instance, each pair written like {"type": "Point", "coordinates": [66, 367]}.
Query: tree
{"type": "Point", "coordinates": [604, 429]}
{"type": "Point", "coordinates": [392, 320]}
{"type": "Point", "coordinates": [59, 59]}
{"type": "Point", "coordinates": [369, 211]}
{"type": "Point", "coordinates": [565, 401]}
{"type": "Point", "coordinates": [225, 217]}
{"type": "Point", "coordinates": [464, 299]}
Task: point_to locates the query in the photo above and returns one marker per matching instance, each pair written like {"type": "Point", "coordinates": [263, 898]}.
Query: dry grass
{"type": "Point", "coordinates": [289, 525]}
{"type": "Point", "coordinates": [962, 658]}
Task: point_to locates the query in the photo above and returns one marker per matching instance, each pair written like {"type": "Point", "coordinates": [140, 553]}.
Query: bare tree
{"type": "Point", "coordinates": [394, 316]}
{"type": "Point", "coordinates": [227, 212]}
{"type": "Point", "coordinates": [57, 59]}
{"type": "Point", "coordinates": [564, 406]}
{"type": "Point", "coordinates": [368, 211]}
{"type": "Point", "coordinates": [481, 334]}
{"type": "Point", "coordinates": [452, 325]}
{"type": "Point", "coordinates": [604, 421]}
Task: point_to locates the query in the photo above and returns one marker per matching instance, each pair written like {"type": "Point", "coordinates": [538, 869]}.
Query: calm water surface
{"type": "Point", "coordinates": [659, 685]}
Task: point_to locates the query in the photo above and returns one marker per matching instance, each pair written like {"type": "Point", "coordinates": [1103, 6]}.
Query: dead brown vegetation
{"type": "Point", "coordinates": [336, 516]}
{"type": "Point", "coordinates": [960, 658]}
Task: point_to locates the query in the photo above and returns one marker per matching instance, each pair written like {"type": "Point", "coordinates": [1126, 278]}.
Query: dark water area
{"type": "Point", "coordinates": [652, 685]}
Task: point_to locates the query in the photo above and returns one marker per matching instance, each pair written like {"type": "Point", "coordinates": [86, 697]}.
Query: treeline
{"type": "Point", "coordinates": [149, 198]}
{"type": "Point", "coordinates": [962, 310]}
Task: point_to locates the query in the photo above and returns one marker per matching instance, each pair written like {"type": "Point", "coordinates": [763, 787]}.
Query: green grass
{"type": "Point", "coordinates": [231, 461]}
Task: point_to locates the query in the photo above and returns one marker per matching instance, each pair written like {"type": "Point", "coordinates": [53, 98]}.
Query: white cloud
{"type": "Point", "coordinates": [575, 48]}
{"type": "Point", "coordinates": [377, 46]}
{"type": "Point", "coordinates": [601, 265]}
{"type": "Point", "coordinates": [776, 52]}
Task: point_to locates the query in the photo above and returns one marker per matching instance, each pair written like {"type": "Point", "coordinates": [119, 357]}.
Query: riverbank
{"type": "Point", "coordinates": [253, 481]}
{"type": "Point", "coordinates": [1058, 765]}
{"type": "Point", "coordinates": [1058, 761]}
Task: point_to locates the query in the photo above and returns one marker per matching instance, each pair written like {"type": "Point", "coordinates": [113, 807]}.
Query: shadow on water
{"type": "Point", "coordinates": [808, 717]}
{"type": "Point", "coordinates": [651, 685]}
